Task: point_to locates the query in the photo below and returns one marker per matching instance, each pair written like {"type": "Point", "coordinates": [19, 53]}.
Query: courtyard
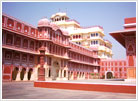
{"type": "Point", "coordinates": [26, 90]}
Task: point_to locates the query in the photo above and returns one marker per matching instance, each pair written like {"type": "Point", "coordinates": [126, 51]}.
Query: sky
{"type": "Point", "coordinates": [109, 15]}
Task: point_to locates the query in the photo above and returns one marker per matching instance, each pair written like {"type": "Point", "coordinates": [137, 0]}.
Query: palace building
{"type": "Point", "coordinates": [90, 37]}
{"type": "Point", "coordinates": [43, 53]}
{"type": "Point", "coordinates": [62, 50]}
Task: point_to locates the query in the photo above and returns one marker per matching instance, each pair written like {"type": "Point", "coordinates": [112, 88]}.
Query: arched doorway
{"type": "Point", "coordinates": [109, 75]}
{"type": "Point", "coordinates": [22, 73]}
{"type": "Point", "coordinates": [55, 70]}
{"type": "Point", "coordinates": [30, 73]}
{"type": "Point", "coordinates": [14, 73]}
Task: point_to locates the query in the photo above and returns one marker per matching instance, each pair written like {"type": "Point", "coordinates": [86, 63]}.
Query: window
{"type": "Point", "coordinates": [18, 41]}
{"type": "Point", "coordinates": [32, 45]}
{"type": "Point", "coordinates": [96, 34]}
{"type": "Point", "coordinates": [96, 42]}
{"type": "Point", "coordinates": [31, 58]}
{"type": "Point", "coordinates": [93, 42]}
{"type": "Point", "coordinates": [17, 56]}
{"type": "Point", "coordinates": [25, 43]}
{"type": "Point", "coordinates": [8, 55]}
{"type": "Point", "coordinates": [91, 35]}
{"type": "Point", "coordinates": [18, 28]}
{"type": "Point", "coordinates": [9, 39]}
{"type": "Point", "coordinates": [24, 57]}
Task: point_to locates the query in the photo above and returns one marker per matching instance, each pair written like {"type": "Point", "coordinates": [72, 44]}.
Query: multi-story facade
{"type": "Point", "coordinates": [43, 53]}
{"type": "Point", "coordinates": [89, 37]}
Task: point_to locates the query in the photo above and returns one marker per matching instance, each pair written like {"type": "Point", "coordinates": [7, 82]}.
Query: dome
{"type": "Point", "coordinates": [43, 22]}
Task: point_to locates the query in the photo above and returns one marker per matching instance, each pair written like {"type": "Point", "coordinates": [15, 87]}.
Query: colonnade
{"type": "Point", "coordinates": [22, 74]}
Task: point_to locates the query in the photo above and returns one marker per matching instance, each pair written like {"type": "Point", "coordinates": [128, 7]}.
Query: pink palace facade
{"type": "Point", "coordinates": [45, 53]}
{"type": "Point", "coordinates": [26, 48]}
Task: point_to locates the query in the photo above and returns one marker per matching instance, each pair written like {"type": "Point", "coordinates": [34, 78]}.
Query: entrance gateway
{"type": "Point", "coordinates": [109, 74]}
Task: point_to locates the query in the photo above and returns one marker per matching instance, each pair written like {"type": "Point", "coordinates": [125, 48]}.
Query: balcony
{"type": "Point", "coordinates": [102, 48]}
{"type": "Point", "coordinates": [96, 38]}
{"type": "Point", "coordinates": [19, 49]}
{"type": "Point", "coordinates": [79, 39]}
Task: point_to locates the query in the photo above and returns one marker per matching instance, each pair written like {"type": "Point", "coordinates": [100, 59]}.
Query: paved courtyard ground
{"type": "Point", "coordinates": [26, 90]}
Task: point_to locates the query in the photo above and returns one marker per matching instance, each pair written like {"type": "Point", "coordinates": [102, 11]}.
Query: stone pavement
{"type": "Point", "coordinates": [25, 90]}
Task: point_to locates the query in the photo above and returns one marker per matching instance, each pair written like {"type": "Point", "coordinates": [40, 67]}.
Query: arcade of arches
{"type": "Point", "coordinates": [24, 74]}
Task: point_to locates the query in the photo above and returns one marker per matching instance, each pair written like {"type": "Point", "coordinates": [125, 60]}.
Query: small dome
{"type": "Point", "coordinates": [43, 22]}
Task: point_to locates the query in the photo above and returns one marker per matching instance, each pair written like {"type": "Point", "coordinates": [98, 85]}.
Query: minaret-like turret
{"type": "Point", "coordinates": [59, 17]}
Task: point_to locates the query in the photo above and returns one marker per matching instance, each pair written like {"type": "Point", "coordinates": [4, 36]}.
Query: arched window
{"type": "Point", "coordinates": [32, 45]}
{"type": "Point", "coordinates": [9, 39]}
{"type": "Point", "coordinates": [25, 43]}
{"type": "Point", "coordinates": [24, 57]}
{"type": "Point", "coordinates": [8, 55]}
{"type": "Point", "coordinates": [31, 58]}
{"type": "Point", "coordinates": [18, 41]}
{"type": "Point", "coordinates": [96, 42]}
{"type": "Point", "coordinates": [76, 36]}
{"type": "Point", "coordinates": [79, 36]}
{"type": "Point", "coordinates": [17, 56]}
{"type": "Point", "coordinates": [93, 42]}
{"type": "Point", "coordinates": [96, 34]}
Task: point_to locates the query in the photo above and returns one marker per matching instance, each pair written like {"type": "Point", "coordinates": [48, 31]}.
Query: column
{"type": "Point", "coordinates": [47, 75]}
{"type": "Point", "coordinates": [59, 73]}
{"type": "Point", "coordinates": [26, 75]}
{"type": "Point", "coordinates": [67, 73]}
{"type": "Point", "coordinates": [13, 39]}
{"type": "Point", "coordinates": [32, 75]}
{"type": "Point", "coordinates": [18, 75]}
{"type": "Point", "coordinates": [28, 44]}
{"type": "Point", "coordinates": [34, 45]}
{"type": "Point", "coordinates": [62, 73]}
{"type": "Point", "coordinates": [21, 42]}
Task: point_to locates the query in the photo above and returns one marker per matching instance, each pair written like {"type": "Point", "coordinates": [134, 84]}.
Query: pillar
{"type": "Point", "coordinates": [59, 75]}
{"type": "Point", "coordinates": [62, 73]}
{"type": "Point", "coordinates": [26, 75]}
{"type": "Point", "coordinates": [47, 72]}
{"type": "Point", "coordinates": [18, 75]}
{"type": "Point", "coordinates": [21, 42]}
{"type": "Point", "coordinates": [32, 75]}
{"type": "Point", "coordinates": [67, 73]}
